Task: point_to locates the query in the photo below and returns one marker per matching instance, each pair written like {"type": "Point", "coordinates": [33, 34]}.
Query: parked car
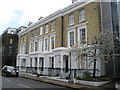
{"type": "Point", "coordinates": [10, 71]}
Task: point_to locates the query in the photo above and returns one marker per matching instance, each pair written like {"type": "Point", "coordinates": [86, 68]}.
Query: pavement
{"type": "Point", "coordinates": [108, 86]}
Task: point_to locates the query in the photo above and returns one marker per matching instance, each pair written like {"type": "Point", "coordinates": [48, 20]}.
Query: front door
{"type": "Point", "coordinates": [41, 63]}
{"type": "Point", "coordinates": [36, 64]}
{"type": "Point", "coordinates": [66, 64]}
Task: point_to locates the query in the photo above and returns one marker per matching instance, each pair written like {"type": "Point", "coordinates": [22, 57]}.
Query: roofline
{"type": "Point", "coordinates": [56, 14]}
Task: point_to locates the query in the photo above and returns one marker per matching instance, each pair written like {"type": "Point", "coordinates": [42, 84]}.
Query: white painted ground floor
{"type": "Point", "coordinates": [56, 63]}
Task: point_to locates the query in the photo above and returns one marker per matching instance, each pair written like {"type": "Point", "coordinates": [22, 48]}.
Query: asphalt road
{"type": "Point", "coordinates": [14, 83]}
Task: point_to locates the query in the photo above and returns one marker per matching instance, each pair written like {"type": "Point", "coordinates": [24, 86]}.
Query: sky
{"type": "Point", "coordinates": [16, 13]}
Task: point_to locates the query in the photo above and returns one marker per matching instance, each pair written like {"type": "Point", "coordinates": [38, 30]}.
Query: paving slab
{"type": "Point", "coordinates": [109, 86]}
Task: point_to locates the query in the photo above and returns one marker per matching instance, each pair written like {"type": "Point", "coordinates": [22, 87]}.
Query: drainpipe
{"type": "Point", "coordinates": [70, 63]}
{"type": "Point", "coordinates": [62, 31]}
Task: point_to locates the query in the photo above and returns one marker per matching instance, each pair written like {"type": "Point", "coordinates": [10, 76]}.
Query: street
{"type": "Point", "coordinates": [14, 83]}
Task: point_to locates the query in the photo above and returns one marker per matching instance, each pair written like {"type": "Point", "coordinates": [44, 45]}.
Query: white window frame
{"type": "Point", "coordinates": [45, 45]}
{"type": "Point", "coordinates": [40, 45]}
{"type": "Point", "coordinates": [71, 19]}
{"type": "Point", "coordinates": [24, 49]}
{"type": "Point", "coordinates": [51, 42]}
{"type": "Point", "coordinates": [85, 63]}
{"type": "Point", "coordinates": [73, 30]}
{"type": "Point", "coordinates": [31, 47]}
{"type": "Point", "coordinates": [46, 28]}
{"type": "Point", "coordinates": [41, 30]}
{"type": "Point", "coordinates": [35, 47]}
{"type": "Point", "coordinates": [11, 41]}
{"type": "Point", "coordinates": [52, 63]}
{"type": "Point", "coordinates": [81, 14]}
{"type": "Point", "coordinates": [31, 34]}
{"type": "Point", "coordinates": [23, 63]}
{"type": "Point", "coordinates": [31, 62]}
{"type": "Point", "coordinates": [53, 26]}
{"type": "Point", "coordinates": [36, 32]}
{"type": "Point", "coordinates": [79, 33]}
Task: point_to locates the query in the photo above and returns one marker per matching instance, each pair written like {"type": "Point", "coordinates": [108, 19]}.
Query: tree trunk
{"type": "Point", "coordinates": [94, 68]}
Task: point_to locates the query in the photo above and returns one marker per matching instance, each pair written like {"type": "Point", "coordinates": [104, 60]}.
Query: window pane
{"type": "Point", "coordinates": [21, 49]}
{"type": "Point", "coordinates": [11, 41]}
{"type": "Point", "coordinates": [24, 47]}
{"type": "Point", "coordinates": [52, 62]}
{"type": "Point", "coordinates": [82, 36]}
{"type": "Point", "coordinates": [40, 45]}
{"type": "Point", "coordinates": [53, 26]}
{"type": "Point", "coordinates": [46, 42]}
{"type": "Point", "coordinates": [10, 50]}
{"type": "Point", "coordinates": [83, 62]}
{"type": "Point", "coordinates": [36, 32]}
{"type": "Point", "coordinates": [82, 15]}
{"type": "Point", "coordinates": [36, 47]}
{"type": "Point", "coordinates": [71, 19]}
{"type": "Point", "coordinates": [32, 34]}
{"type": "Point", "coordinates": [46, 29]}
{"type": "Point", "coordinates": [31, 47]}
{"type": "Point", "coordinates": [52, 42]}
{"type": "Point", "coordinates": [41, 30]}
{"type": "Point", "coordinates": [30, 62]}
{"type": "Point", "coordinates": [71, 38]}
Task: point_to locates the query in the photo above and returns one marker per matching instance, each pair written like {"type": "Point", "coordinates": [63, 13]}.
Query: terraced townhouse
{"type": "Point", "coordinates": [44, 45]}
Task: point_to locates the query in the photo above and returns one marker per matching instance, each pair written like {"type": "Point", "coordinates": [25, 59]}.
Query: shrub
{"type": "Point", "coordinates": [86, 74]}
{"type": "Point", "coordinates": [93, 79]}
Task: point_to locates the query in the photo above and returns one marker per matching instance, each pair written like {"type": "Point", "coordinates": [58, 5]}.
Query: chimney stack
{"type": "Point", "coordinates": [40, 18]}
{"type": "Point", "coordinates": [74, 1]}
{"type": "Point", "coordinates": [30, 23]}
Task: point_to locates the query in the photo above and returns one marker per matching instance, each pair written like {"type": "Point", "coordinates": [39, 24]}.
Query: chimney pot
{"type": "Point", "coordinates": [74, 1]}
{"type": "Point", "coordinates": [40, 18]}
{"type": "Point", "coordinates": [30, 23]}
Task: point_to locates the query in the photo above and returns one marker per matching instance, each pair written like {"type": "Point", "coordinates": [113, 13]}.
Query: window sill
{"type": "Point", "coordinates": [82, 21]}
{"type": "Point", "coordinates": [51, 50]}
{"type": "Point", "coordinates": [83, 44]}
{"type": "Point", "coordinates": [46, 51]}
{"type": "Point", "coordinates": [71, 24]}
{"type": "Point", "coordinates": [52, 30]}
{"type": "Point", "coordinates": [46, 32]}
{"type": "Point", "coordinates": [36, 36]}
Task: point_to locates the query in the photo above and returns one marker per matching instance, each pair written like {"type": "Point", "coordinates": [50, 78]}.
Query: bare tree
{"type": "Point", "coordinates": [101, 47]}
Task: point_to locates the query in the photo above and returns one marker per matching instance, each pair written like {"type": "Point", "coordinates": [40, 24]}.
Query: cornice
{"type": "Point", "coordinates": [55, 15]}
{"type": "Point", "coordinates": [47, 35]}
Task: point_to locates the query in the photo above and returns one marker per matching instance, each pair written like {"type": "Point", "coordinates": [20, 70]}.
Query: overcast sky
{"type": "Point", "coordinates": [16, 13]}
